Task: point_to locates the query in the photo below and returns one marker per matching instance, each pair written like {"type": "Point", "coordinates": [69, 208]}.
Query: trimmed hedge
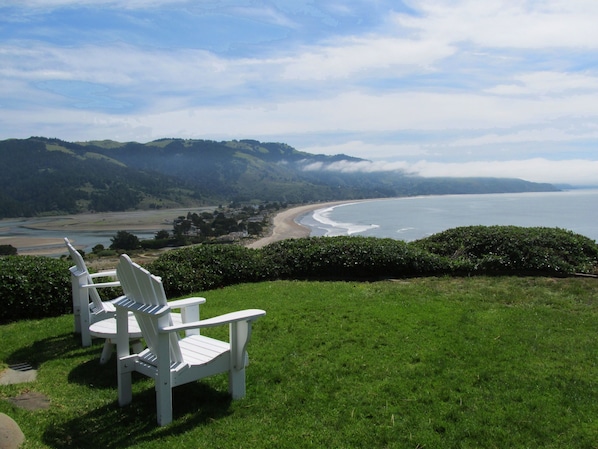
{"type": "Point", "coordinates": [514, 249]}
{"type": "Point", "coordinates": [204, 267]}
{"type": "Point", "coordinates": [33, 287]}
{"type": "Point", "coordinates": [36, 287]}
{"type": "Point", "coordinates": [350, 258]}
{"type": "Point", "coordinates": [472, 250]}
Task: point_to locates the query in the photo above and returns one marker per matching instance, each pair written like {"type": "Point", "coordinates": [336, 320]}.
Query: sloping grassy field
{"type": "Point", "coordinates": [430, 362]}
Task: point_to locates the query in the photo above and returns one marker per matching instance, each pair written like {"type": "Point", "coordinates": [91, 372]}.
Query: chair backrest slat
{"type": "Point", "coordinates": [158, 288]}
{"type": "Point", "coordinates": [98, 305]}
{"type": "Point", "coordinates": [141, 286]}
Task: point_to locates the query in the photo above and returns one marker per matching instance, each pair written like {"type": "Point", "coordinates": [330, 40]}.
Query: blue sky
{"type": "Point", "coordinates": [433, 87]}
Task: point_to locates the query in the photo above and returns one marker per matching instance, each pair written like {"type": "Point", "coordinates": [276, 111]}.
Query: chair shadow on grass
{"type": "Point", "coordinates": [92, 373]}
{"type": "Point", "coordinates": [63, 346]}
{"type": "Point", "coordinates": [111, 426]}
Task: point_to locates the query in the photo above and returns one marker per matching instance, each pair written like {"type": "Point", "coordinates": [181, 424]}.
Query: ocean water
{"type": "Point", "coordinates": [413, 218]}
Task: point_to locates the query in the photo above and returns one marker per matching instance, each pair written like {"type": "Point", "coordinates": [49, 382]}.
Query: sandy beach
{"type": "Point", "coordinates": [284, 226]}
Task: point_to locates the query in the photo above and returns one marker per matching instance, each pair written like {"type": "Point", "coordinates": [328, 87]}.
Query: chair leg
{"type": "Point", "coordinates": [164, 381]}
{"type": "Point", "coordinates": [236, 383]}
{"type": "Point", "coordinates": [164, 402]}
{"type": "Point", "coordinates": [124, 364]}
{"type": "Point", "coordinates": [85, 335]}
{"type": "Point", "coordinates": [106, 351]}
{"type": "Point", "coordinates": [125, 386]}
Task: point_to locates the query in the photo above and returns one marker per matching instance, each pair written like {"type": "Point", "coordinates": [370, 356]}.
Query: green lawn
{"type": "Point", "coordinates": [507, 362]}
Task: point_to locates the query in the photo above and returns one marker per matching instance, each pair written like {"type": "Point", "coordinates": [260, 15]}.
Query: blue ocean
{"type": "Point", "coordinates": [412, 218]}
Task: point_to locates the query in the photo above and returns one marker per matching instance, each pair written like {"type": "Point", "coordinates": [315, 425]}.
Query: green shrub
{"type": "Point", "coordinates": [204, 267]}
{"type": "Point", "coordinates": [513, 249]}
{"type": "Point", "coordinates": [106, 253]}
{"type": "Point", "coordinates": [8, 250]}
{"type": "Point", "coordinates": [124, 240]}
{"type": "Point", "coordinates": [34, 287]}
{"type": "Point", "coordinates": [350, 258]}
{"type": "Point", "coordinates": [155, 243]}
{"type": "Point", "coordinates": [465, 250]}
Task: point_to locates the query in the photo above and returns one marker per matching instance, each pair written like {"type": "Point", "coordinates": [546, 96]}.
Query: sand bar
{"type": "Point", "coordinates": [148, 220]}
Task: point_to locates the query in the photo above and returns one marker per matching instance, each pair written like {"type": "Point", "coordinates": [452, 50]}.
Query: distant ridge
{"type": "Point", "coordinates": [50, 176]}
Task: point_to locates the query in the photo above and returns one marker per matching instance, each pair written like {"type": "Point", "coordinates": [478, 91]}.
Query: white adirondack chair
{"type": "Point", "coordinates": [84, 287]}
{"type": "Point", "coordinates": [169, 358]}
{"type": "Point", "coordinates": [97, 318]}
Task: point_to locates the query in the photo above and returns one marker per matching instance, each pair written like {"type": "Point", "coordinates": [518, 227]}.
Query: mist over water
{"type": "Point", "coordinates": [413, 218]}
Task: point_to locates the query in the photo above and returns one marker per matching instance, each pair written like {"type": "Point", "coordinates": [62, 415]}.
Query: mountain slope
{"type": "Point", "coordinates": [42, 176]}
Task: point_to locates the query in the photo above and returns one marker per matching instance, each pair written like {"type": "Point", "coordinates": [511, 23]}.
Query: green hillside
{"type": "Point", "coordinates": [51, 176]}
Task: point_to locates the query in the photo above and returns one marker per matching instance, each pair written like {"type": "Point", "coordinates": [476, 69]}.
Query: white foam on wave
{"type": "Point", "coordinates": [334, 228]}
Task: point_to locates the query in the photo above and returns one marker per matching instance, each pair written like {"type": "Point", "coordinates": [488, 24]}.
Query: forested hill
{"type": "Point", "coordinates": [42, 176]}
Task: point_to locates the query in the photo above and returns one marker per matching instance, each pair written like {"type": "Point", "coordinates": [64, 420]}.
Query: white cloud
{"type": "Point", "coordinates": [547, 83]}
{"type": "Point", "coordinates": [507, 24]}
{"type": "Point", "coordinates": [346, 166]}
{"type": "Point", "coordinates": [539, 135]}
{"type": "Point", "coordinates": [364, 150]}
{"type": "Point", "coordinates": [360, 56]}
{"type": "Point", "coordinates": [574, 172]}
{"type": "Point", "coordinates": [457, 81]}
{"type": "Point", "coordinates": [266, 14]}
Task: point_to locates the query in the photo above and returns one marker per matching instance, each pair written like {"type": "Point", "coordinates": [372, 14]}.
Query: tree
{"type": "Point", "coordinates": [254, 228]}
{"type": "Point", "coordinates": [8, 250]}
{"type": "Point", "coordinates": [161, 235]}
{"type": "Point", "coordinates": [124, 240]}
{"type": "Point", "coordinates": [98, 248]}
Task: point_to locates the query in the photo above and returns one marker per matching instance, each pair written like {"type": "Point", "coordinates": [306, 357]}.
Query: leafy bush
{"type": "Point", "coordinates": [465, 250]}
{"type": "Point", "coordinates": [350, 258]}
{"type": "Point", "coordinates": [513, 249]}
{"type": "Point", "coordinates": [203, 267]}
{"type": "Point", "coordinates": [8, 250]}
{"type": "Point", "coordinates": [124, 240]}
{"type": "Point", "coordinates": [33, 287]}
{"type": "Point", "coordinates": [155, 243]}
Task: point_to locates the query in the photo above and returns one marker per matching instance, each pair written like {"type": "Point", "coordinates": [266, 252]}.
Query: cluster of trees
{"type": "Point", "coordinates": [234, 222]}
{"type": "Point", "coordinates": [249, 220]}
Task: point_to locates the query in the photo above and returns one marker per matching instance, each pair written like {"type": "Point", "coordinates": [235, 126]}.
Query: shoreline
{"type": "Point", "coordinates": [283, 226]}
{"type": "Point", "coordinates": [147, 220]}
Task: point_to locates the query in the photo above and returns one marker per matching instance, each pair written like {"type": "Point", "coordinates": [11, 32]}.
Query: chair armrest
{"type": "Point", "coordinates": [102, 284]}
{"type": "Point", "coordinates": [189, 311]}
{"type": "Point", "coordinates": [227, 318]}
{"type": "Point", "coordinates": [103, 274]}
{"type": "Point", "coordinates": [186, 302]}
